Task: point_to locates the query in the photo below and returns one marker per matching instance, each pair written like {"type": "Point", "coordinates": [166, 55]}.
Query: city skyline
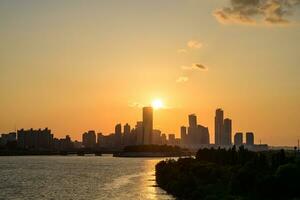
{"type": "Point", "coordinates": [75, 66]}
{"type": "Point", "coordinates": [150, 100]}
{"type": "Point", "coordinates": [193, 136]}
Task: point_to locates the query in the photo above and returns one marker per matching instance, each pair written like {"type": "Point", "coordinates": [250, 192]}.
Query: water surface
{"type": "Point", "coordinates": [74, 177]}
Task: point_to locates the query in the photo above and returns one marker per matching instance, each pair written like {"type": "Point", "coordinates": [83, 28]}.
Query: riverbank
{"type": "Point", "coordinates": [231, 174]}
{"type": "Point", "coordinates": [150, 154]}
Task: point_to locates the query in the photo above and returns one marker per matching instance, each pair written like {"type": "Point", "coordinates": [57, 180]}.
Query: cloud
{"type": "Point", "coordinates": [194, 44]}
{"type": "Point", "coordinates": [195, 66]}
{"type": "Point", "coordinates": [181, 51]}
{"type": "Point", "coordinates": [182, 79]}
{"type": "Point", "coordinates": [255, 11]}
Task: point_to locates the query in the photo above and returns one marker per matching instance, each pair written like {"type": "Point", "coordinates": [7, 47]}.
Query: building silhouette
{"type": "Point", "coordinates": [183, 134]}
{"type": "Point", "coordinates": [118, 135]}
{"type": "Point", "coordinates": [63, 144]}
{"type": "Point", "coordinates": [35, 139]}
{"type": "Point", "coordinates": [8, 138]}
{"type": "Point", "coordinates": [203, 135]}
{"type": "Point", "coordinates": [147, 125]}
{"type": "Point", "coordinates": [156, 137]}
{"type": "Point", "coordinates": [126, 135]}
{"type": "Point", "coordinates": [219, 126]}
{"type": "Point", "coordinates": [227, 134]}
{"type": "Point", "coordinates": [172, 139]}
{"type": "Point", "coordinates": [238, 139]}
{"type": "Point", "coordinates": [249, 139]}
{"type": "Point", "coordinates": [164, 139]}
{"type": "Point", "coordinates": [139, 130]}
{"type": "Point", "coordinates": [89, 139]}
{"type": "Point", "coordinates": [195, 135]}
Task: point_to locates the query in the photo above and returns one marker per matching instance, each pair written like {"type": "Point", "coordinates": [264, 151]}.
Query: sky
{"type": "Point", "coordinates": [80, 65]}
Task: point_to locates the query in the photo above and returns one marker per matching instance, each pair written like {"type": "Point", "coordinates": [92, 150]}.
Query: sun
{"type": "Point", "coordinates": [157, 104]}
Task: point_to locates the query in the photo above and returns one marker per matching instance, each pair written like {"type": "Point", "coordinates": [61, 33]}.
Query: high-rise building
{"type": "Point", "coordinates": [193, 138]}
{"type": "Point", "coordinates": [172, 139]}
{"type": "Point", "coordinates": [219, 126]}
{"type": "Point", "coordinates": [8, 138]}
{"type": "Point", "coordinates": [227, 134]}
{"type": "Point", "coordinates": [202, 135]}
{"type": "Point", "coordinates": [126, 135]}
{"type": "Point", "coordinates": [89, 139]}
{"type": "Point", "coordinates": [139, 133]}
{"type": "Point", "coordinates": [66, 143]}
{"type": "Point", "coordinates": [238, 139]}
{"type": "Point", "coordinates": [156, 137]}
{"type": "Point", "coordinates": [99, 137]}
{"type": "Point", "coordinates": [127, 129]}
{"type": "Point", "coordinates": [192, 120]}
{"type": "Point", "coordinates": [164, 139]}
{"type": "Point", "coordinates": [249, 139]}
{"type": "Point", "coordinates": [147, 124]}
{"type": "Point", "coordinates": [183, 135]}
{"type": "Point", "coordinates": [35, 139]}
{"type": "Point", "coordinates": [118, 135]}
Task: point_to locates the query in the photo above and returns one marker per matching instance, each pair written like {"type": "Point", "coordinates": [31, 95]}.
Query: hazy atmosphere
{"type": "Point", "coordinates": [77, 65]}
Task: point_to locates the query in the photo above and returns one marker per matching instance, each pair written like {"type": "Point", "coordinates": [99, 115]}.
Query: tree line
{"type": "Point", "coordinates": [232, 174]}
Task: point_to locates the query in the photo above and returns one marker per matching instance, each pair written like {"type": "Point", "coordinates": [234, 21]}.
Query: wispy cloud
{"type": "Point", "coordinates": [194, 44]}
{"type": "Point", "coordinates": [191, 44]}
{"type": "Point", "coordinates": [181, 51]}
{"type": "Point", "coordinates": [275, 12]}
{"type": "Point", "coordinates": [195, 66]}
{"type": "Point", "coordinates": [182, 79]}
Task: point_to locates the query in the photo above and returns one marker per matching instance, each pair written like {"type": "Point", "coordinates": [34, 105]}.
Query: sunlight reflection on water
{"type": "Point", "coordinates": [73, 177]}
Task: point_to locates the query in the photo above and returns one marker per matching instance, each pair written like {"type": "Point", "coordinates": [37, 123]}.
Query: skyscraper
{"type": "Point", "coordinates": [147, 124]}
{"type": "Point", "coordinates": [202, 135]}
{"type": "Point", "coordinates": [193, 130]}
{"type": "Point", "coordinates": [192, 120]}
{"type": "Point", "coordinates": [249, 138]}
{"type": "Point", "coordinates": [89, 139]}
{"type": "Point", "coordinates": [227, 134]}
{"type": "Point", "coordinates": [219, 126]}
{"type": "Point", "coordinates": [238, 139]}
{"type": "Point", "coordinates": [118, 135]}
{"type": "Point", "coordinates": [183, 135]}
{"type": "Point", "coordinates": [126, 129]}
{"type": "Point", "coordinates": [156, 137]}
{"type": "Point", "coordinates": [126, 135]}
{"type": "Point", "coordinates": [139, 133]}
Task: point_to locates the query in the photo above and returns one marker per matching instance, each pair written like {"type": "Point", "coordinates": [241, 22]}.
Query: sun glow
{"type": "Point", "coordinates": [157, 104]}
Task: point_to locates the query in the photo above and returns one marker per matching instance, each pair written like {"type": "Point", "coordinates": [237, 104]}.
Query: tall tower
{"type": "Point", "coordinates": [226, 139]}
{"type": "Point", "coordinates": [249, 138]}
{"type": "Point", "coordinates": [147, 124]}
{"type": "Point", "coordinates": [139, 133]}
{"type": "Point", "coordinates": [193, 120]}
{"type": "Point", "coordinates": [118, 135]}
{"type": "Point", "coordinates": [183, 135]}
{"type": "Point", "coordinates": [126, 129]}
{"type": "Point", "coordinates": [219, 126]}
{"type": "Point", "coordinates": [192, 130]}
{"type": "Point", "coordinates": [238, 139]}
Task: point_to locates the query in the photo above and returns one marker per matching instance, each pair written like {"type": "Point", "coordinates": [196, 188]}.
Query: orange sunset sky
{"type": "Point", "coordinates": [78, 65]}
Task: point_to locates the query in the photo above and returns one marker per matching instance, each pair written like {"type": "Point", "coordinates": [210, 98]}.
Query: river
{"type": "Point", "coordinates": [75, 177]}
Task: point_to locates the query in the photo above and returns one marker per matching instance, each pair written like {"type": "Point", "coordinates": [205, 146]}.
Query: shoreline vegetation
{"type": "Point", "coordinates": [232, 174]}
